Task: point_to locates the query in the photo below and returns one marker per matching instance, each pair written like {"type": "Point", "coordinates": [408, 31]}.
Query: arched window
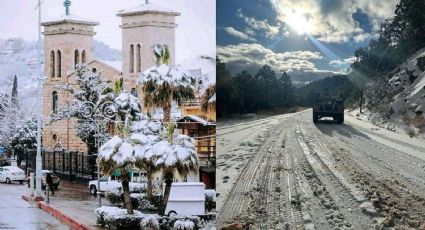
{"type": "Point", "coordinates": [54, 102]}
{"type": "Point", "coordinates": [131, 59]}
{"type": "Point", "coordinates": [59, 63]}
{"type": "Point", "coordinates": [52, 64]}
{"type": "Point", "coordinates": [55, 137]}
{"type": "Point", "coordinates": [138, 61]}
{"type": "Point", "coordinates": [83, 57]}
{"type": "Point", "coordinates": [76, 58]}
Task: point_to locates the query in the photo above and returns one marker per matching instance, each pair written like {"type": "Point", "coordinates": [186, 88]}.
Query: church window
{"type": "Point", "coordinates": [94, 70]}
{"type": "Point", "coordinates": [138, 57]}
{"type": "Point", "coordinates": [76, 58]}
{"type": "Point", "coordinates": [83, 57]}
{"type": "Point", "coordinates": [131, 58]}
{"type": "Point", "coordinates": [52, 64]}
{"type": "Point", "coordinates": [59, 64]}
{"type": "Point", "coordinates": [55, 137]}
{"type": "Point", "coordinates": [54, 102]}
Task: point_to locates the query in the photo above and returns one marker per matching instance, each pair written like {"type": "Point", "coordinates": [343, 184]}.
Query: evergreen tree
{"type": "Point", "coordinates": [14, 100]}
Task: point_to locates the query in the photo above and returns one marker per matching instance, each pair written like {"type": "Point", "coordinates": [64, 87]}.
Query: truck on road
{"type": "Point", "coordinates": [326, 105]}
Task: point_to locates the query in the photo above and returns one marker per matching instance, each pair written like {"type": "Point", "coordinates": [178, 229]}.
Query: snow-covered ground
{"type": "Point", "coordinates": [285, 172]}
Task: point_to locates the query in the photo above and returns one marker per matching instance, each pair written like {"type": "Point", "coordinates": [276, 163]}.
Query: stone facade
{"type": "Point", "coordinates": [69, 41]}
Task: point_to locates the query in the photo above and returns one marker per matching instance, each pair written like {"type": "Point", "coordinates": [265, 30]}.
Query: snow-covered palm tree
{"type": "Point", "coordinates": [176, 153]}
{"type": "Point", "coordinates": [117, 154]}
{"type": "Point", "coordinates": [145, 133]}
{"type": "Point", "coordinates": [162, 84]}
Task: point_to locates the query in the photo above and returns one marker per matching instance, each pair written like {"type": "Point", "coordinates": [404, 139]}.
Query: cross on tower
{"type": "Point", "coordinates": [67, 3]}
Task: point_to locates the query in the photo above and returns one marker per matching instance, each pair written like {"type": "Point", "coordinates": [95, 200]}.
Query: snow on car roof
{"type": "Point", "coordinates": [13, 168]}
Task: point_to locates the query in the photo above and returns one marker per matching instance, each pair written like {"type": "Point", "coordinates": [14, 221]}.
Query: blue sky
{"type": "Point", "coordinates": [312, 38]}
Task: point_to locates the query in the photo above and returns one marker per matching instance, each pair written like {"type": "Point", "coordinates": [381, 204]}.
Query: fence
{"type": "Point", "coordinates": [69, 165]}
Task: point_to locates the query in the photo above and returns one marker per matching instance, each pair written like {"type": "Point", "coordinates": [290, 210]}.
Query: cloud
{"type": "Point", "coordinates": [258, 25]}
{"type": "Point", "coordinates": [232, 31]}
{"type": "Point", "coordinates": [332, 21]}
{"type": "Point", "coordinates": [343, 62]}
{"type": "Point", "coordinates": [245, 55]}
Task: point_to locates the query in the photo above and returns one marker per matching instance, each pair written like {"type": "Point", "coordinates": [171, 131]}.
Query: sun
{"type": "Point", "coordinates": [298, 22]}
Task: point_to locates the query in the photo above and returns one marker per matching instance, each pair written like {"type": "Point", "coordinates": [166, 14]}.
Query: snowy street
{"type": "Point", "coordinates": [285, 172]}
{"type": "Point", "coordinates": [19, 214]}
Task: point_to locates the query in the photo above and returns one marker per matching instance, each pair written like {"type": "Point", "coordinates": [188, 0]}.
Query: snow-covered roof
{"type": "Point", "coordinates": [69, 18]}
{"type": "Point", "coordinates": [117, 65]}
{"type": "Point", "coordinates": [147, 8]}
{"type": "Point", "coordinates": [194, 118]}
{"type": "Point", "coordinates": [213, 98]}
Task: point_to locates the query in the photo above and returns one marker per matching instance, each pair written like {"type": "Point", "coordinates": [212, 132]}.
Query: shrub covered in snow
{"type": "Point", "coordinates": [141, 203]}
{"type": "Point", "coordinates": [150, 222]}
{"type": "Point", "coordinates": [184, 225]}
{"type": "Point", "coordinates": [116, 218]}
{"type": "Point", "coordinates": [210, 195]}
{"type": "Point", "coordinates": [181, 222]}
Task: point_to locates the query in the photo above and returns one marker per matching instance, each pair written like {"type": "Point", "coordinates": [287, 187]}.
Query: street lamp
{"type": "Point", "coordinates": [102, 114]}
{"type": "Point", "coordinates": [40, 79]}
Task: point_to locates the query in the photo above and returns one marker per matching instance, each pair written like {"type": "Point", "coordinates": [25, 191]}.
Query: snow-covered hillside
{"type": "Point", "coordinates": [403, 105]}
{"type": "Point", "coordinates": [408, 84]}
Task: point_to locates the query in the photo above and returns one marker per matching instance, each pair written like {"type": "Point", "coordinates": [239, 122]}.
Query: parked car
{"type": "Point", "coordinates": [56, 179]}
{"type": "Point", "coordinates": [11, 173]}
{"type": "Point", "coordinates": [112, 183]}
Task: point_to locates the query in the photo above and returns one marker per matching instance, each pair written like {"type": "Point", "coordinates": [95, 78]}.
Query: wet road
{"type": "Point", "coordinates": [16, 213]}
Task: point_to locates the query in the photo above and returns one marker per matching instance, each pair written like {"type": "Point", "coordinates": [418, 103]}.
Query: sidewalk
{"type": "Point", "coordinates": [73, 205]}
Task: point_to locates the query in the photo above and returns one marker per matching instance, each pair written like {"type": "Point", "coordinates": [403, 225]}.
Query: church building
{"type": "Point", "coordinates": [68, 41]}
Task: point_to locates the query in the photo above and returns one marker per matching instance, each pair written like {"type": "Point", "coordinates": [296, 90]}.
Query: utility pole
{"type": "Point", "coordinates": [40, 79]}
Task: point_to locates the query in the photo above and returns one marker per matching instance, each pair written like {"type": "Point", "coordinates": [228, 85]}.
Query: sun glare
{"type": "Point", "coordinates": [298, 22]}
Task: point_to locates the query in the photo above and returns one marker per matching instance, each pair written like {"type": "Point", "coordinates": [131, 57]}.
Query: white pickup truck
{"type": "Point", "coordinates": [110, 184]}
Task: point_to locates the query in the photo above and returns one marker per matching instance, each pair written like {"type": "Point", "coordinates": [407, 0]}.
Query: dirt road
{"type": "Point", "coordinates": [285, 172]}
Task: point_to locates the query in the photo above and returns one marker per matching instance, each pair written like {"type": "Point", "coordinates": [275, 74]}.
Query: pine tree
{"type": "Point", "coordinates": [14, 100]}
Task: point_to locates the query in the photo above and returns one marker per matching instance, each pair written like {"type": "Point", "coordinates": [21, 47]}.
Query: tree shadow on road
{"type": "Point", "coordinates": [331, 128]}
